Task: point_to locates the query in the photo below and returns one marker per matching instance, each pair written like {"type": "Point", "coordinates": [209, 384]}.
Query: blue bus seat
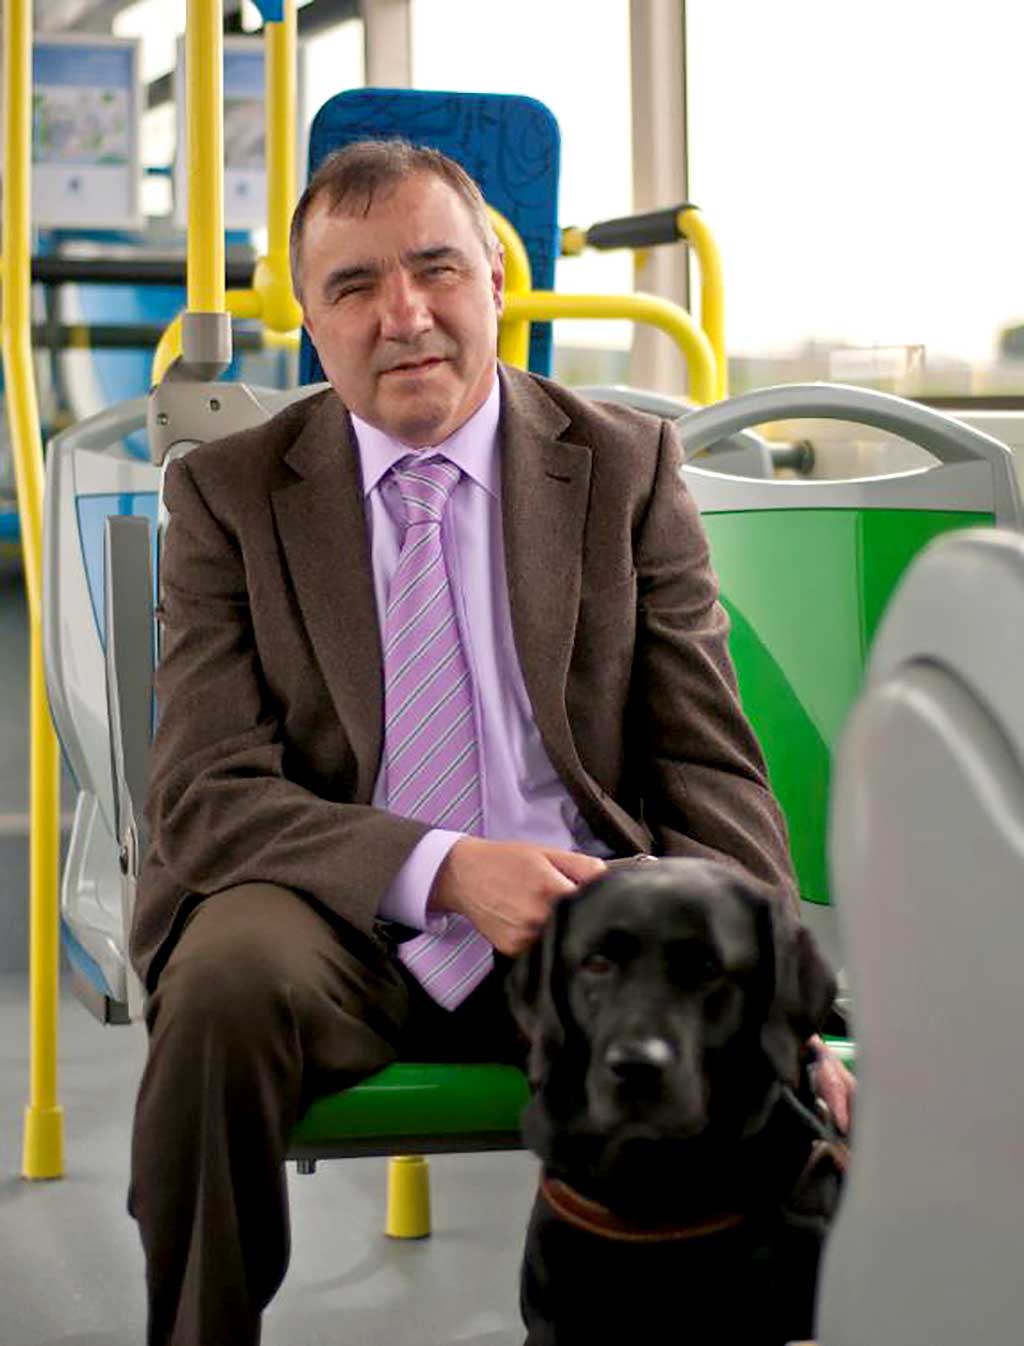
{"type": "Point", "coordinates": [508, 144]}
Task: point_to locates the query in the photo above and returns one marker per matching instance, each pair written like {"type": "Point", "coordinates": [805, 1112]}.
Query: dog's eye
{"type": "Point", "coordinates": [710, 970]}
{"type": "Point", "coordinates": [692, 965]}
{"type": "Point", "coordinates": [598, 965]}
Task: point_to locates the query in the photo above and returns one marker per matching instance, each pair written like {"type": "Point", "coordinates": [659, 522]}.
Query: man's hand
{"type": "Point", "coordinates": [833, 1083]}
{"type": "Point", "coordinates": [507, 888]}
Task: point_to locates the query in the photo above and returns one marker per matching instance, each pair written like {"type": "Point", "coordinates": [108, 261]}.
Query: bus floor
{"type": "Point", "coordinates": [71, 1266]}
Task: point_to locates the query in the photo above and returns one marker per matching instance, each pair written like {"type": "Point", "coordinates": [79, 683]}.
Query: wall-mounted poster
{"type": "Point", "coordinates": [86, 101]}
{"type": "Point", "coordinates": [245, 178]}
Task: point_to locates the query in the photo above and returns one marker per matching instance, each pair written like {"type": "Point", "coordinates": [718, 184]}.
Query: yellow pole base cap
{"type": "Point", "coordinates": [42, 1153]}
{"type": "Point", "coordinates": [408, 1198]}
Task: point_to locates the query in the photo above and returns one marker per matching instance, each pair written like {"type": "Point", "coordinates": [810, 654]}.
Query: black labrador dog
{"type": "Point", "coordinates": [688, 1177]}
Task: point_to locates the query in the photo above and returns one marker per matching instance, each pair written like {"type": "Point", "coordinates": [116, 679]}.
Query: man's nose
{"type": "Point", "coordinates": [405, 313]}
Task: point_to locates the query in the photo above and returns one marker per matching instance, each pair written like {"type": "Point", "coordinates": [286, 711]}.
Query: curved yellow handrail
{"type": "Point", "coordinates": [546, 306]}
{"type": "Point", "coordinates": [513, 336]}
{"type": "Point", "coordinates": [43, 1138]}
{"type": "Point", "coordinates": [523, 304]}
{"type": "Point", "coordinates": [693, 226]}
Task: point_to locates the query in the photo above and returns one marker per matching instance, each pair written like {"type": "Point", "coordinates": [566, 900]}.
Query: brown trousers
{"type": "Point", "coordinates": [264, 1004]}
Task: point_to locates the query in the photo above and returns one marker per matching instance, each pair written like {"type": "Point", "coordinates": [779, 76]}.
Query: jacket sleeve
{"type": "Point", "coordinates": [706, 790]}
{"type": "Point", "coordinates": [221, 809]}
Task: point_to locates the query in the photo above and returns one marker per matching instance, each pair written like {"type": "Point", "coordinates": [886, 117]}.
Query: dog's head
{"type": "Point", "coordinates": [665, 1001]}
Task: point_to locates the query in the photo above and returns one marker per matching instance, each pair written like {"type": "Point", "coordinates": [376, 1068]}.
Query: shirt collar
{"type": "Point", "coordinates": [472, 447]}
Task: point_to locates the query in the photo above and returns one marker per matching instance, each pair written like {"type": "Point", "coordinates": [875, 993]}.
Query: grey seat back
{"type": "Point", "coordinates": [927, 853]}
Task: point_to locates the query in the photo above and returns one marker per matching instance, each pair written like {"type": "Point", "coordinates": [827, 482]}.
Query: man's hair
{"type": "Point", "coordinates": [351, 177]}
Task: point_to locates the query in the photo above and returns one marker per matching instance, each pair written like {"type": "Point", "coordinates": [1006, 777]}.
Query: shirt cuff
{"type": "Point", "coordinates": [406, 898]}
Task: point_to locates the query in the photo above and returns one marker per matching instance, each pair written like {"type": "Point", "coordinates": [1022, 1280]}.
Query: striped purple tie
{"type": "Point", "coordinates": [430, 746]}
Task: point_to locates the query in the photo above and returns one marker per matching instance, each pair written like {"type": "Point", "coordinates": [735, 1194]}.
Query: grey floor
{"type": "Point", "coordinates": [71, 1269]}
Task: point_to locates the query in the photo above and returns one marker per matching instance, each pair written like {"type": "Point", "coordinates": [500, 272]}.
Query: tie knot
{"type": "Point", "coordinates": [425, 485]}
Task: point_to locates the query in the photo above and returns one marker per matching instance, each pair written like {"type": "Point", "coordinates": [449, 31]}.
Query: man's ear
{"type": "Point", "coordinates": [497, 269]}
{"type": "Point", "coordinates": [803, 988]}
{"type": "Point", "coordinates": [536, 992]}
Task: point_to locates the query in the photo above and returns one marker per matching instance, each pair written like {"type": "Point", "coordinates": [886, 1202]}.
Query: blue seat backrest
{"type": "Point", "coordinates": [93, 511]}
{"type": "Point", "coordinates": [508, 144]}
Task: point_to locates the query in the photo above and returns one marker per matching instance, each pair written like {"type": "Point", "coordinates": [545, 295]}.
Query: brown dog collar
{"type": "Point", "coordinates": [594, 1218]}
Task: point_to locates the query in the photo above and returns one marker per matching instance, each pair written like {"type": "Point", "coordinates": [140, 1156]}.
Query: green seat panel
{"type": "Point", "coordinates": [431, 1100]}
{"type": "Point", "coordinates": [413, 1099]}
{"type": "Point", "coordinates": [805, 590]}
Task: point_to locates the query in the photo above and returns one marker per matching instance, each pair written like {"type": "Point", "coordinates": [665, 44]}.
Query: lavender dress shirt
{"type": "Point", "coordinates": [523, 798]}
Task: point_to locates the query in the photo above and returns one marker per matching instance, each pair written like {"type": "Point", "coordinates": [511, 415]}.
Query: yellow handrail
{"type": "Point", "coordinates": [693, 226]}
{"type": "Point", "coordinates": [43, 1140]}
{"type": "Point", "coordinates": [270, 298]}
{"type": "Point", "coordinates": [204, 53]}
{"type": "Point", "coordinates": [546, 305]}
{"type": "Point", "coordinates": [524, 304]}
{"type": "Point", "coordinates": [513, 336]}
{"type": "Point", "coordinates": [272, 278]}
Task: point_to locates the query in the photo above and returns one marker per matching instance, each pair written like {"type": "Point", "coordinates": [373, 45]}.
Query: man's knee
{"type": "Point", "coordinates": [257, 960]}
{"type": "Point", "coordinates": [235, 956]}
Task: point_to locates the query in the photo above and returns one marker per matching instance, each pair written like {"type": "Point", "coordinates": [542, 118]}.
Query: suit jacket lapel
{"type": "Point", "coordinates": [322, 525]}
{"type": "Point", "coordinates": [545, 488]}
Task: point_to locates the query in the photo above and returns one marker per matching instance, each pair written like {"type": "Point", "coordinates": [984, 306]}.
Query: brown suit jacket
{"type": "Point", "coordinates": [270, 691]}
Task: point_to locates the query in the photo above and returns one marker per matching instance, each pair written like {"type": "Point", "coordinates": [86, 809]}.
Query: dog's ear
{"type": "Point", "coordinates": [803, 988]}
{"type": "Point", "coordinates": [536, 992]}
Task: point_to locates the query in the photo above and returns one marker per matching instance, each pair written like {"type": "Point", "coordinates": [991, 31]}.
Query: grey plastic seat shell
{"type": "Point", "coordinates": [927, 854]}
{"type": "Point", "coordinates": [743, 454]}
{"type": "Point", "coordinates": [973, 471]}
{"type": "Point", "coordinates": [88, 460]}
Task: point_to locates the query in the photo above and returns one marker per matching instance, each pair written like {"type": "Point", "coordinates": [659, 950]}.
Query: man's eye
{"type": "Point", "coordinates": [440, 269]}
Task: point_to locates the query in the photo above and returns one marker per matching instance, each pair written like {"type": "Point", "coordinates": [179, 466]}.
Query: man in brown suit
{"type": "Point", "coordinates": [271, 975]}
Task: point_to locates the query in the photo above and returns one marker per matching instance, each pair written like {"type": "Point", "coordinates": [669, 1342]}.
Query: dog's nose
{"type": "Point", "coordinates": [636, 1058]}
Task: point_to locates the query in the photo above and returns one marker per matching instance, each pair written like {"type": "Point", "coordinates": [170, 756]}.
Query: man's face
{"type": "Point", "coordinates": [402, 304]}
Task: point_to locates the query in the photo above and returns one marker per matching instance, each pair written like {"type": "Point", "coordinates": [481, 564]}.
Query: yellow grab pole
{"type": "Point", "coordinates": [545, 306]}
{"type": "Point", "coordinates": [279, 111]}
{"type": "Point", "coordinates": [272, 277]}
{"type": "Point", "coordinates": [692, 225]}
{"type": "Point", "coordinates": [43, 1141]}
{"type": "Point", "coordinates": [204, 54]}
{"type": "Point", "coordinates": [514, 336]}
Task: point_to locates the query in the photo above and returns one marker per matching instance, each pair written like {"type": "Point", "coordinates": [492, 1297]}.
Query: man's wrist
{"type": "Point", "coordinates": [443, 897]}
